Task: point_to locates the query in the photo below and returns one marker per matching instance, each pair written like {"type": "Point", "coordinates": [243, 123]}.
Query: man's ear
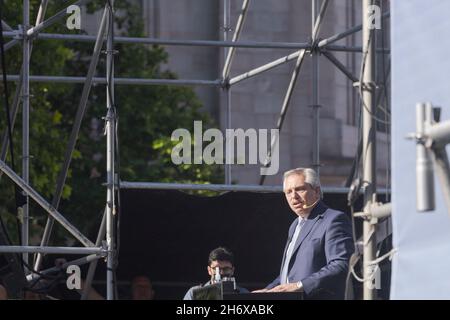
{"type": "Point", "coordinates": [209, 270]}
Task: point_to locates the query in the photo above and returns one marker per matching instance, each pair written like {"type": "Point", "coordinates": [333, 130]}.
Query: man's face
{"type": "Point", "coordinates": [226, 269]}
{"type": "Point", "coordinates": [142, 289]}
{"type": "Point", "coordinates": [299, 194]}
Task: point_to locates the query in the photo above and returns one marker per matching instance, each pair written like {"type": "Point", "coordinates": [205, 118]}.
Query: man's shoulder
{"type": "Point", "coordinates": [333, 214]}
{"type": "Point", "coordinates": [190, 293]}
{"type": "Point", "coordinates": [192, 289]}
{"type": "Point", "coordinates": [195, 287]}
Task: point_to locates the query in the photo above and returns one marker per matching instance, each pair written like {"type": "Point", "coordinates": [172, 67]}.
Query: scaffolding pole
{"type": "Point", "coordinates": [50, 21]}
{"type": "Point", "coordinates": [41, 11]}
{"type": "Point", "coordinates": [121, 81]}
{"type": "Point", "coordinates": [284, 107]}
{"type": "Point", "coordinates": [226, 88]}
{"type": "Point", "coordinates": [340, 66]}
{"type": "Point", "coordinates": [13, 115]}
{"type": "Point", "coordinates": [73, 135]}
{"type": "Point", "coordinates": [93, 264]}
{"type": "Point", "coordinates": [24, 210]}
{"type": "Point", "coordinates": [199, 43]}
{"type": "Point", "coordinates": [354, 49]}
{"type": "Point", "coordinates": [167, 42]}
{"type": "Point", "coordinates": [18, 90]}
{"type": "Point", "coordinates": [28, 33]}
{"type": "Point", "coordinates": [32, 32]}
{"type": "Point", "coordinates": [110, 128]}
{"type": "Point", "coordinates": [44, 204]}
{"type": "Point", "coordinates": [339, 36]}
{"type": "Point", "coordinates": [216, 187]}
{"type": "Point", "coordinates": [369, 151]}
{"type": "Point", "coordinates": [315, 32]}
{"type": "Point", "coordinates": [6, 26]}
{"type": "Point", "coordinates": [77, 262]}
{"type": "Point", "coordinates": [237, 33]}
{"type": "Point", "coordinates": [265, 67]}
{"type": "Point", "coordinates": [316, 19]}
{"type": "Point", "coordinates": [53, 250]}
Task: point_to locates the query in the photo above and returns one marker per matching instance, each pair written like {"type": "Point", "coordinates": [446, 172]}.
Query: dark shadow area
{"type": "Point", "coordinates": [167, 235]}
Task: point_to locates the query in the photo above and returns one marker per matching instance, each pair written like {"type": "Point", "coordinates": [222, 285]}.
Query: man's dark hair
{"type": "Point", "coordinates": [221, 254]}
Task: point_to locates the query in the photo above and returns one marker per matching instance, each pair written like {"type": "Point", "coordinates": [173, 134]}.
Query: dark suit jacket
{"type": "Point", "coordinates": [321, 254]}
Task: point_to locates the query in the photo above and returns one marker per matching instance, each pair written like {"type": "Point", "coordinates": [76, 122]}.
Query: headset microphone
{"type": "Point", "coordinates": [311, 205]}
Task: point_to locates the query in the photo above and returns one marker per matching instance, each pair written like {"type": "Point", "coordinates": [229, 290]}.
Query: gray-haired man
{"type": "Point", "coordinates": [319, 244]}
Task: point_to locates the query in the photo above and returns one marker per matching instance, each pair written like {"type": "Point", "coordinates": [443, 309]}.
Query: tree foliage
{"type": "Point", "coordinates": [147, 117]}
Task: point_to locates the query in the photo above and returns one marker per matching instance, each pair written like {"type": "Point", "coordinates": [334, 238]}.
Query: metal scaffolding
{"type": "Point", "coordinates": [104, 246]}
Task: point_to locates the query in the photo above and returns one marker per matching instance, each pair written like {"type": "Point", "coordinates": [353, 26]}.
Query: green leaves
{"type": "Point", "coordinates": [147, 117]}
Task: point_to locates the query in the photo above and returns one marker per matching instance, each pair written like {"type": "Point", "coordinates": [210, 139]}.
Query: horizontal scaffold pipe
{"type": "Point", "coordinates": [53, 250]}
{"type": "Point", "coordinates": [64, 266]}
{"type": "Point", "coordinates": [218, 187]}
{"type": "Point", "coordinates": [169, 42]}
{"type": "Point", "coordinates": [121, 81]}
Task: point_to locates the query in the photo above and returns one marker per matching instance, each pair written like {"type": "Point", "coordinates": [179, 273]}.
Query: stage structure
{"type": "Point", "coordinates": [104, 246]}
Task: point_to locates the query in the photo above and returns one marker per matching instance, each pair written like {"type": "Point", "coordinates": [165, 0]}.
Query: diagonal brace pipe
{"type": "Point", "coordinates": [45, 205]}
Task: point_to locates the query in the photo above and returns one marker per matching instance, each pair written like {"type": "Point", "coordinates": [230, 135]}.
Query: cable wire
{"type": "Point", "coordinates": [360, 87]}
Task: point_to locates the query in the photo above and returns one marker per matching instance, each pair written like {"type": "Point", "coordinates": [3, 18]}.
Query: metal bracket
{"type": "Point", "coordinates": [114, 52]}
{"type": "Point", "coordinates": [420, 139]}
{"type": "Point", "coordinates": [316, 165]}
{"type": "Point", "coordinates": [366, 85]}
{"type": "Point", "coordinates": [225, 83]}
{"type": "Point", "coordinates": [314, 47]}
{"type": "Point", "coordinates": [374, 213]}
{"type": "Point", "coordinates": [104, 249]}
{"type": "Point", "coordinates": [226, 29]}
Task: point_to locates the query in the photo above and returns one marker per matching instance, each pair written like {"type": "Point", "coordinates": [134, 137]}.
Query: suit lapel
{"type": "Point", "coordinates": [314, 217]}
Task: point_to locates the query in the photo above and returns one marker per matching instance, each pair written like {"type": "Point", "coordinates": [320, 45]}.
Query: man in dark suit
{"type": "Point", "coordinates": [320, 242]}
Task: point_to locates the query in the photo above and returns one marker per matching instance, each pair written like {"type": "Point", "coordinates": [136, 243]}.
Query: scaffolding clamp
{"type": "Point", "coordinates": [225, 83]}
{"type": "Point", "coordinates": [375, 212]}
{"type": "Point", "coordinates": [314, 46]}
{"type": "Point", "coordinates": [368, 85]}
